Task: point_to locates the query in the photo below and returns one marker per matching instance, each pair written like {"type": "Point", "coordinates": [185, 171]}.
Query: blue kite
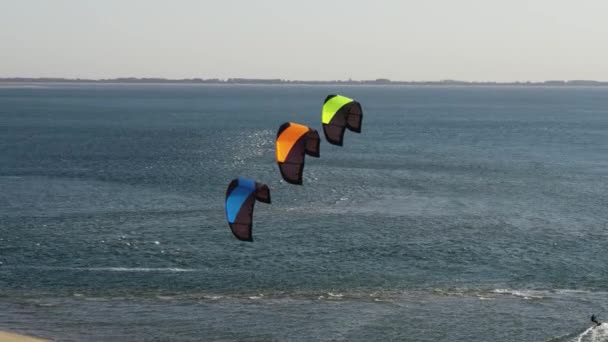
{"type": "Point", "coordinates": [240, 198]}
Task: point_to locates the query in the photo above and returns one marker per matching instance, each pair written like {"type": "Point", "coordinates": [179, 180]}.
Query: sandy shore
{"type": "Point", "coordinates": [12, 337]}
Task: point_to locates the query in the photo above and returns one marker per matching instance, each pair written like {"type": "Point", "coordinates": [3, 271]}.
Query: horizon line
{"type": "Point", "coordinates": [245, 80]}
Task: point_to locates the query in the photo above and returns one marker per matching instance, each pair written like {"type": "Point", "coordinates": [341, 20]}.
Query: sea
{"type": "Point", "coordinates": [459, 213]}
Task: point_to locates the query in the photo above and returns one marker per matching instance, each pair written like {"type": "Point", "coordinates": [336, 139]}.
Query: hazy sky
{"type": "Point", "coordinates": [500, 40]}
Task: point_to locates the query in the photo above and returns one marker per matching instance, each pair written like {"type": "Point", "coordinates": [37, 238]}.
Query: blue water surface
{"type": "Point", "coordinates": [458, 214]}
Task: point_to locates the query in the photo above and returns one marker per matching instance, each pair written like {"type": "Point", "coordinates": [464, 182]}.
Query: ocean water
{"type": "Point", "coordinates": [458, 214]}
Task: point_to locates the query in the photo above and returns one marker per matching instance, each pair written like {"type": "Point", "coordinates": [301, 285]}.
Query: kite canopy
{"type": "Point", "coordinates": [293, 141]}
{"type": "Point", "coordinates": [240, 198]}
{"type": "Point", "coordinates": [340, 112]}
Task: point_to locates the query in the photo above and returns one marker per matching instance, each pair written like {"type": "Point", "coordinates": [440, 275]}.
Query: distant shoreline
{"type": "Point", "coordinates": [381, 81]}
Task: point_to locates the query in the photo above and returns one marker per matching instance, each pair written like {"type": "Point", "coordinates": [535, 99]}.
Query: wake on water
{"type": "Point", "coordinates": [594, 334]}
{"type": "Point", "coordinates": [591, 334]}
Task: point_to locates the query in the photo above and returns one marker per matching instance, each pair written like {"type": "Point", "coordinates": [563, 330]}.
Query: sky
{"type": "Point", "coordinates": [472, 40]}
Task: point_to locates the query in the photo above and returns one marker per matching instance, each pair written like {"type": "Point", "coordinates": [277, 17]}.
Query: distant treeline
{"type": "Point", "coordinates": [379, 81]}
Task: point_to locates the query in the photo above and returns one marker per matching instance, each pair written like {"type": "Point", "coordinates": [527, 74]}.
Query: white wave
{"type": "Point", "coordinates": [166, 297]}
{"type": "Point", "coordinates": [593, 334]}
{"type": "Point", "coordinates": [525, 294]}
{"type": "Point", "coordinates": [214, 297]}
{"type": "Point", "coordinates": [382, 300]}
{"type": "Point", "coordinates": [569, 291]}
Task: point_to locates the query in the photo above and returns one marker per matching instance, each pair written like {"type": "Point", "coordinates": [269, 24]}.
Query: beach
{"type": "Point", "coordinates": [6, 336]}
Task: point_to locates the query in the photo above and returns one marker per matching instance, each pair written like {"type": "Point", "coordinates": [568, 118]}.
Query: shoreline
{"type": "Point", "coordinates": [8, 336]}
